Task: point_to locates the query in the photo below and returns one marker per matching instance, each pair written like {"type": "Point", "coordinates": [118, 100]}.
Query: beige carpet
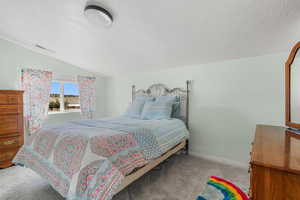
{"type": "Point", "coordinates": [180, 178]}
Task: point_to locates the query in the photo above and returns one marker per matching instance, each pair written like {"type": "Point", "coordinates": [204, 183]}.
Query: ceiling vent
{"type": "Point", "coordinates": [44, 48]}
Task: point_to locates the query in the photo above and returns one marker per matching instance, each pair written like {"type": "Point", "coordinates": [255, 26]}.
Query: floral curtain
{"type": "Point", "coordinates": [87, 90]}
{"type": "Point", "coordinates": [36, 85]}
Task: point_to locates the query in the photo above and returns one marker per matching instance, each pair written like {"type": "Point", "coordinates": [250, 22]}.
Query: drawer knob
{"type": "Point", "coordinates": [9, 142]}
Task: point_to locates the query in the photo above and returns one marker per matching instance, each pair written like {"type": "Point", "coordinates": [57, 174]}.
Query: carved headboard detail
{"type": "Point", "coordinates": [157, 90]}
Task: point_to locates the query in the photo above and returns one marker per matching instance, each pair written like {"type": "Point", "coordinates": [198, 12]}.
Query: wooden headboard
{"type": "Point", "coordinates": [157, 90]}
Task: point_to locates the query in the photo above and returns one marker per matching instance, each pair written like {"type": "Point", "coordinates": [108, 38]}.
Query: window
{"type": "Point", "coordinates": [64, 97]}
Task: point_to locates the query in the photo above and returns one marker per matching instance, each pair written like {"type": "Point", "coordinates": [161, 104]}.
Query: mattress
{"type": "Point", "coordinates": [89, 159]}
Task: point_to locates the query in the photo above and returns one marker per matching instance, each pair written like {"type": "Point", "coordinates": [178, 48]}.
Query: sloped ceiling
{"type": "Point", "coordinates": [150, 35]}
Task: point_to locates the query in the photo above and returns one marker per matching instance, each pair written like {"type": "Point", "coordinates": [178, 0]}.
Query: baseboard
{"type": "Point", "coordinates": [221, 160]}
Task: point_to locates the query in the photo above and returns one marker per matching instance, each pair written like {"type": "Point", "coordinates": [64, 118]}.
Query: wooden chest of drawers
{"type": "Point", "coordinates": [11, 125]}
{"type": "Point", "coordinates": [275, 164]}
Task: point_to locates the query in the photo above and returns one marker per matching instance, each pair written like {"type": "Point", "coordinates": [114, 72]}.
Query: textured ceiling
{"type": "Point", "coordinates": [150, 35]}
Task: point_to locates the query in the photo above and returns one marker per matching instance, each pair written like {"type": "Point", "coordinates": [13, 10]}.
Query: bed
{"type": "Point", "coordinates": [95, 159]}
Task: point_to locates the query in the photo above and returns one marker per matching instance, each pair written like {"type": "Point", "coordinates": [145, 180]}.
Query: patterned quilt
{"type": "Point", "coordinates": [89, 159]}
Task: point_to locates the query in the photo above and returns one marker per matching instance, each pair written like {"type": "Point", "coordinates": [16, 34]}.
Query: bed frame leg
{"type": "Point", "coordinates": [187, 148]}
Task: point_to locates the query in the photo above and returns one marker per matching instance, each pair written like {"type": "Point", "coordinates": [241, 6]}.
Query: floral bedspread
{"type": "Point", "coordinates": [89, 159]}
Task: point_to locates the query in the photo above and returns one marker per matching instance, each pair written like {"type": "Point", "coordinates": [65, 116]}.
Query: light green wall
{"type": "Point", "coordinates": [228, 99]}
{"type": "Point", "coordinates": [13, 58]}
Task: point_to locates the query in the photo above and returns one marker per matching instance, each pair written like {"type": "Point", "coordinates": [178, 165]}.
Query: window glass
{"type": "Point", "coordinates": [71, 97]}
{"type": "Point", "coordinates": [64, 97]}
{"type": "Point", "coordinates": [54, 103]}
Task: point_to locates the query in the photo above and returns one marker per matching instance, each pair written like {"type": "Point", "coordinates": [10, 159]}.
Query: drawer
{"type": "Point", "coordinates": [6, 155]}
{"type": "Point", "coordinates": [10, 99]}
{"type": "Point", "coordinates": [11, 109]}
{"type": "Point", "coordinates": [10, 142]}
{"type": "Point", "coordinates": [11, 134]}
{"type": "Point", "coordinates": [5, 164]}
{"type": "Point", "coordinates": [9, 123]}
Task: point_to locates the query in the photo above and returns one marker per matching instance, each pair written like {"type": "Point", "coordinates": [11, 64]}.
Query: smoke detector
{"type": "Point", "coordinates": [96, 14]}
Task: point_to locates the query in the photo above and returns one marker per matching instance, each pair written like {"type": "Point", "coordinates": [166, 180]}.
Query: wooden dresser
{"type": "Point", "coordinates": [275, 164]}
{"type": "Point", "coordinates": [11, 125]}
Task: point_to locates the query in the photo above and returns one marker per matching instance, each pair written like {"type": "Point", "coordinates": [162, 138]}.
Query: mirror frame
{"type": "Point", "coordinates": [288, 64]}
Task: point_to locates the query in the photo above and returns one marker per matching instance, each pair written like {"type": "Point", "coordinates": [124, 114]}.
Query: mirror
{"type": "Point", "coordinates": [292, 87]}
{"type": "Point", "coordinates": [295, 89]}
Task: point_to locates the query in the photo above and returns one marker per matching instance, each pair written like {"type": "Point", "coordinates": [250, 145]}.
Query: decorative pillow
{"type": "Point", "coordinates": [144, 98]}
{"type": "Point", "coordinates": [176, 104]}
{"type": "Point", "coordinates": [167, 98]}
{"type": "Point", "coordinates": [136, 107]}
{"type": "Point", "coordinates": [176, 110]}
{"type": "Point", "coordinates": [157, 110]}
